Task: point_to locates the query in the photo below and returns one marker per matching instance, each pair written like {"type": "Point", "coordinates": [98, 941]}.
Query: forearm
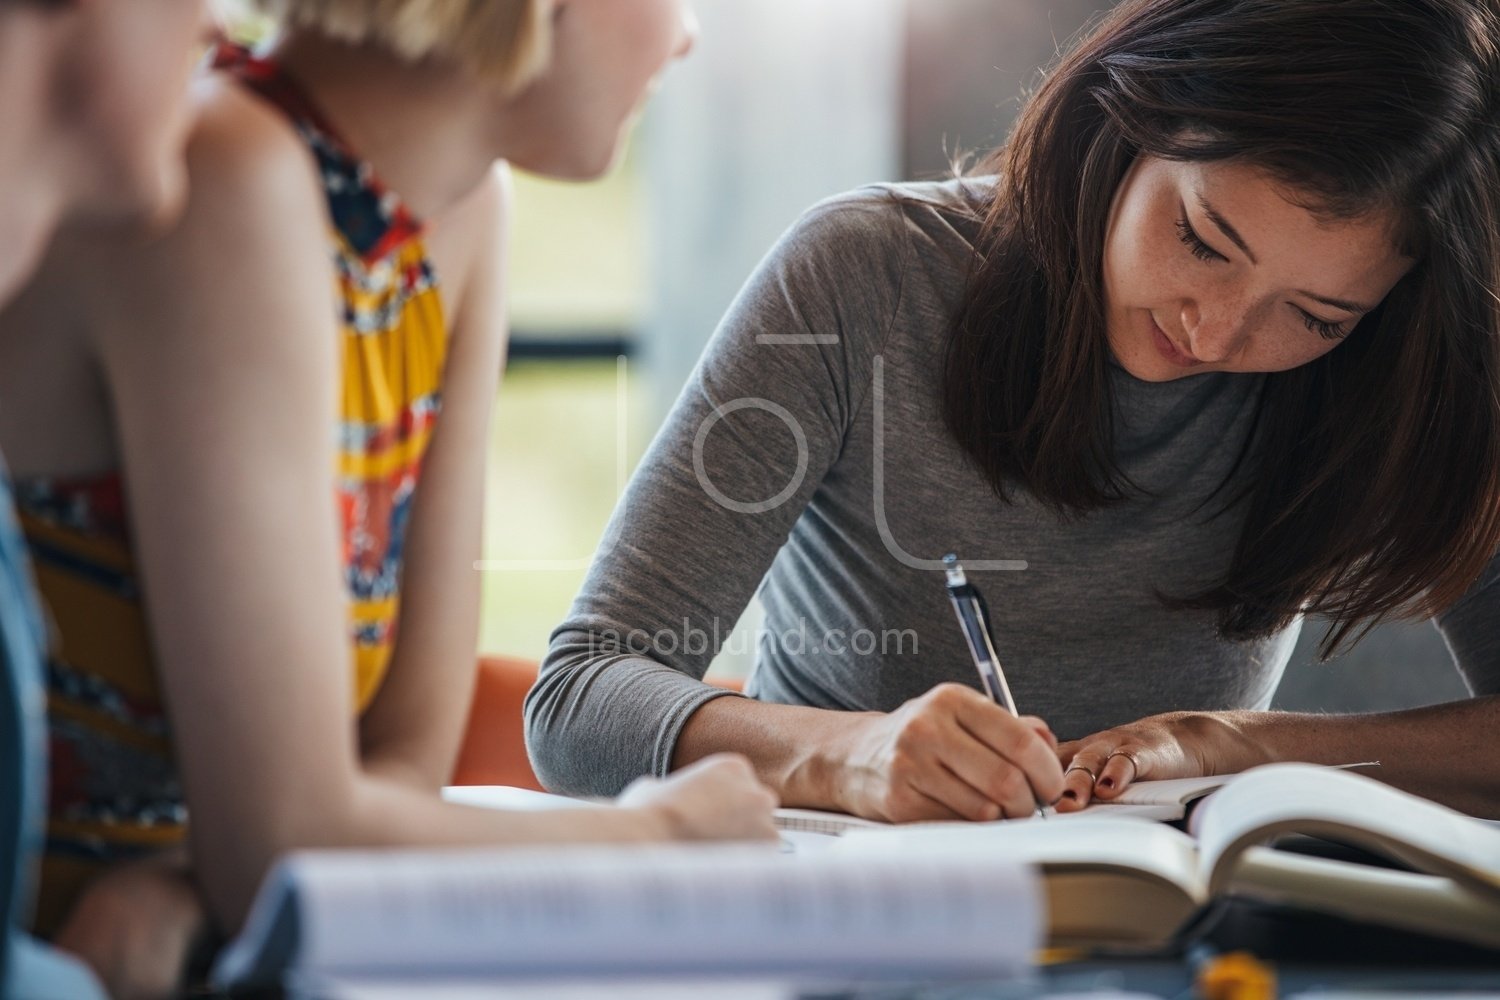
{"type": "Point", "coordinates": [379, 812]}
{"type": "Point", "coordinates": [1443, 752]}
{"type": "Point", "coordinates": [598, 717]}
{"type": "Point", "coordinates": [680, 561]}
{"type": "Point", "coordinates": [413, 736]}
{"type": "Point", "coordinates": [798, 752]}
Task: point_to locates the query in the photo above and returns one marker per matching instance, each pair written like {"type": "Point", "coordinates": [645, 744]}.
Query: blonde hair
{"type": "Point", "coordinates": [509, 41]}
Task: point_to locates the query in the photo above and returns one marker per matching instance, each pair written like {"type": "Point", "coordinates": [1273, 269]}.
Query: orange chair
{"type": "Point", "coordinates": [494, 747]}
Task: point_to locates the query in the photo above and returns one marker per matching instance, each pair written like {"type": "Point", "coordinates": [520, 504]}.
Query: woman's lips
{"type": "Point", "coordinates": [1167, 349]}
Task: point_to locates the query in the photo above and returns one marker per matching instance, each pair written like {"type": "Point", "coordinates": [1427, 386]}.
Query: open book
{"type": "Point", "coordinates": [420, 916]}
{"type": "Point", "coordinates": [1161, 800]}
{"type": "Point", "coordinates": [805, 830]}
{"type": "Point", "coordinates": [1123, 882]}
{"type": "Point", "coordinates": [1164, 799]}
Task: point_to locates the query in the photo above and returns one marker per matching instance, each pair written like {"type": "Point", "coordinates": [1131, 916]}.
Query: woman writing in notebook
{"type": "Point", "coordinates": [233, 583]}
{"type": "Point", "coordinates": [1213, 343]}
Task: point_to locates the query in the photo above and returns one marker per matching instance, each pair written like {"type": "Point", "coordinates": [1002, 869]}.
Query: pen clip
{"type": "Point", "coordinates": [996, 675]}
{"type": "Point", "coordinates": [974, 621]}
{"type": "Point", "coordinates": [977, 635]}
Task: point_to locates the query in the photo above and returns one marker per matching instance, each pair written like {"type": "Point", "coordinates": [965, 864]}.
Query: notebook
{"type": "Point", "coordinates": [423, 915]}
{"type": "Point", "coordinates": [1159, 800]}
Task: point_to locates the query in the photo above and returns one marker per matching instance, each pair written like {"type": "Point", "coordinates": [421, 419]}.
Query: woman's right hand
{"type": "Point", "coordinates": [949, 754]}
{"type": "Point", "coordinates": [718, 798]}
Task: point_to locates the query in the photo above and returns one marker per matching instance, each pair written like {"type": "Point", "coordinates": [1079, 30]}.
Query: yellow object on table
{"type": "Point", "coordinates": [1235, 976]}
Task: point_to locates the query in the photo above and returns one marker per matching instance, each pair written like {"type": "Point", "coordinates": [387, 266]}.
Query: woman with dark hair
{"type": "Point", "coordinates": [1214, 345]}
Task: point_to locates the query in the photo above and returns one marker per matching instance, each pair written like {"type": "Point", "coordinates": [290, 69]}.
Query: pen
{"type": "Point", "coordinates": [974, 620]}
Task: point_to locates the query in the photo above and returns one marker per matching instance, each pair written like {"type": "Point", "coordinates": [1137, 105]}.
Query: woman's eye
{"type": "Point", "coordinates": [1195, 245]}
{"type": "Point", "coordinates": [1323, 328]}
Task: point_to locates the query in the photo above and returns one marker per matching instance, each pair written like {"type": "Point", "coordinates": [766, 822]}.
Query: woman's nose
{"type": "Point", "coordinates": [1215, 333]}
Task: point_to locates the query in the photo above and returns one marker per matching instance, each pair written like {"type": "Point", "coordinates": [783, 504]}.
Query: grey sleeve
{"type": "Point", "coordinates": [758, 425]}
{"type": "Point", "coordinates": [1471, 628]}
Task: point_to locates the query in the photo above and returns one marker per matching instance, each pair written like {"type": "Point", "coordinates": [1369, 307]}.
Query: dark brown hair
{"type": "Point", "coordinates": [1372, 478]}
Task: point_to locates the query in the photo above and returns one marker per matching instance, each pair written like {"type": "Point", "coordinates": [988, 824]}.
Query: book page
{"type": "Point", "coordinates": [817, 821]}
{"type": "Point", "coordinates": [801, 829]}
{"type": "Point", "coordinates": [1168, 791]}
{"type": "Point", "coordinates": [1184, 791]}
{"type": "Point", "coordinates": [1163, 799]}
{"type": "Point", "coordinates": [515, 799]}
{"type": "Point", "coordinates": [623, 910]}
{"type": "Point", "coordinates": [1430, 904]}
{"type": "Point", "coordinates": [1151, 849]}
{"type": "Point", "coordinates": [400, 988]}
{"type": "Point", "coordinates": [1303, 798]}
{"type": "Point", "coordinates": [836, 824]}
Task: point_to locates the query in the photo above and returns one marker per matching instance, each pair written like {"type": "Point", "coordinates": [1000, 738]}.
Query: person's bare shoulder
{"type": "Point", "coordinates": [242, 145]}
{"type": "Point", "coordinates": [255, 217]}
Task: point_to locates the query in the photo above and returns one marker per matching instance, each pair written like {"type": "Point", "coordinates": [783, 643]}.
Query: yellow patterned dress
{"type": "Point", "coordinates": [115, 791]}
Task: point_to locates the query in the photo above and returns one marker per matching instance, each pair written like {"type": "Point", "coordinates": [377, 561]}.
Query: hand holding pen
{"type": "Point", "coordinates": [974, 621]}
{"type": "Point", "coordinates": [949, 753]}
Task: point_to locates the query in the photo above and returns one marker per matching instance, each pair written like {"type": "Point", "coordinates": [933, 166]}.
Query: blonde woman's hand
{"type": "Point", "coordinates": [718, 798]}
{"type": "Point", "coordinates": [135, 927]}
{"type": "Point", "coordinates": [1171, 745]}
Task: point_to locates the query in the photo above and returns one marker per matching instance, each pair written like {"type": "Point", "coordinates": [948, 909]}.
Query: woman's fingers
{"type": "Point", "coordinates": [953, 793]}
{"type": "Point", "coordinates": [1080, 778]}
{"type": "Point", "coordinates": [1102, 769]}
{"type": "Point", "coordinates": [1122, 765]}
{"type": "Point", "coordinates": [1065, 751]}
{"type": "Point", "coordinates": [950, 753]}
{"type": "Point", "coordinates": [1033, 773]}
{"type": "Point", "coordinates": [983, 778]}
{"type": "Point", "coordinates": [1172, 745]}
{"type": "Point", "coordinates": [1041, 729]}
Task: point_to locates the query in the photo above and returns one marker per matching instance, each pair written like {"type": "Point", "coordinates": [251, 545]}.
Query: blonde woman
{"type": "Point", "coordinates": [250, 457]}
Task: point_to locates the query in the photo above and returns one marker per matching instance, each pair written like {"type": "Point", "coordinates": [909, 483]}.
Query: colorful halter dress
{"type": "Point", "coordinates": [115, 791]}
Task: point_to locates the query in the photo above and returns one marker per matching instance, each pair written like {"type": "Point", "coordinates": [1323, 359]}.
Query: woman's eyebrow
{"type": "Point", "coordinates": [1234, 237]}
{"type": "Point", "coordinates": [1344, 304]}
{"type": "Point", "coordinates": [1224, 227]}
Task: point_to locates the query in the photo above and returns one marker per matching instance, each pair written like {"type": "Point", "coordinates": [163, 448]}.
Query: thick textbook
{"type": "Point", "coordinates": [425, 915]}
{"type": "Point", "coordinates": [1124, 882]}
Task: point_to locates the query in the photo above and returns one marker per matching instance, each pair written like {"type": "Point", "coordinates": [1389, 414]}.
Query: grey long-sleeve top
{"type": "Point", "coordinates": [807, 456]}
